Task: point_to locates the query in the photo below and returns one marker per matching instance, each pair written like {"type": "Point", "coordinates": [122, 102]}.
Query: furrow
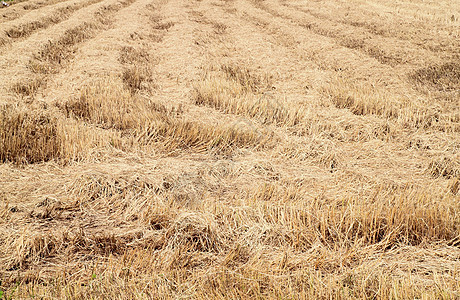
{"type": "Point", "coordinates": [387, 50]}
{"type": "Point", "coordinates": [438, 41]}
{"type": "Point", "coordinates": [54, 53]}
{"type": "Point", "coordinates": [21, 8]}
{"type": "Point", "coordinates": [406, 106]}
{"type": "Point", "coordinates": [24, 29]}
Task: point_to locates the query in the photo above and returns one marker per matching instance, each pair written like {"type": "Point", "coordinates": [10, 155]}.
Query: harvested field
{"type": "Point", "coordinates": [243, 149]}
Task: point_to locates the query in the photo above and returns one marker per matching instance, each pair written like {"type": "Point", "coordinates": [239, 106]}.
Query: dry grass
{"type": "Point", "coordinates": [26, 29]}
{"type": "Point", "coordinates": [242, 149]}
{"type": "Point", "coordinates": [363, 98]}
{"type": "Point", "coordinates": [28, 136]}
{"type": "Point", "coordinates": [28, 88]}
{"type": "Point", "coordinates": [246, 78]}
{"type": "Point", "coordinates": [150, 122]}
{"type": "Point", "coordinates": [131, 55]}
{"type": "Point", "coordinates": [137, 75]}
{"type": "Point", "coordinates": [242, 93]}
{"type": "Point", "coordinates": [137, 79]}
{"type": "Point", "coordinates": [446, 167]}
{"type": "Point", "coordinates": [179, 134]}
{"type": "Point", "coordinates": [50, 58]}
{"type": "Point", "coordinates": [445, 77]}
{"type": "Point", "coordinates": [33, 136]}
{"type": "Point", "coordinates": [272, 236]}
{"type": "Point", "coordinates": [111, 106]}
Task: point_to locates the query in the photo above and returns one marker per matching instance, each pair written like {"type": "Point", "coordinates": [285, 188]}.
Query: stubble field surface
{"type": "Point", "coordinates": [236, 149]}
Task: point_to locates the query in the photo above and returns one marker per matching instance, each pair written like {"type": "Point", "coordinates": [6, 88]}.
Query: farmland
{"type": "Point", "coordinates": [240, 149]}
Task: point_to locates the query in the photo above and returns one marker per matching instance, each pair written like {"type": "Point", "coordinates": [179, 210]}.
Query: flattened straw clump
{"type": "Point", "coordinates": [31, 248]}
{"type": "Point", "coordinates": [111, 106]}
{"type": "Point", "coordinates": [175, 134]}
{"type": "Point", "coordinates": [237, 90]}
{"type": "Point", "coordinates": [195, 232]}
{"type": "Point", "coordinates": [228, 97]}
{"type": "Point", "coordinates": [444, 167]}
